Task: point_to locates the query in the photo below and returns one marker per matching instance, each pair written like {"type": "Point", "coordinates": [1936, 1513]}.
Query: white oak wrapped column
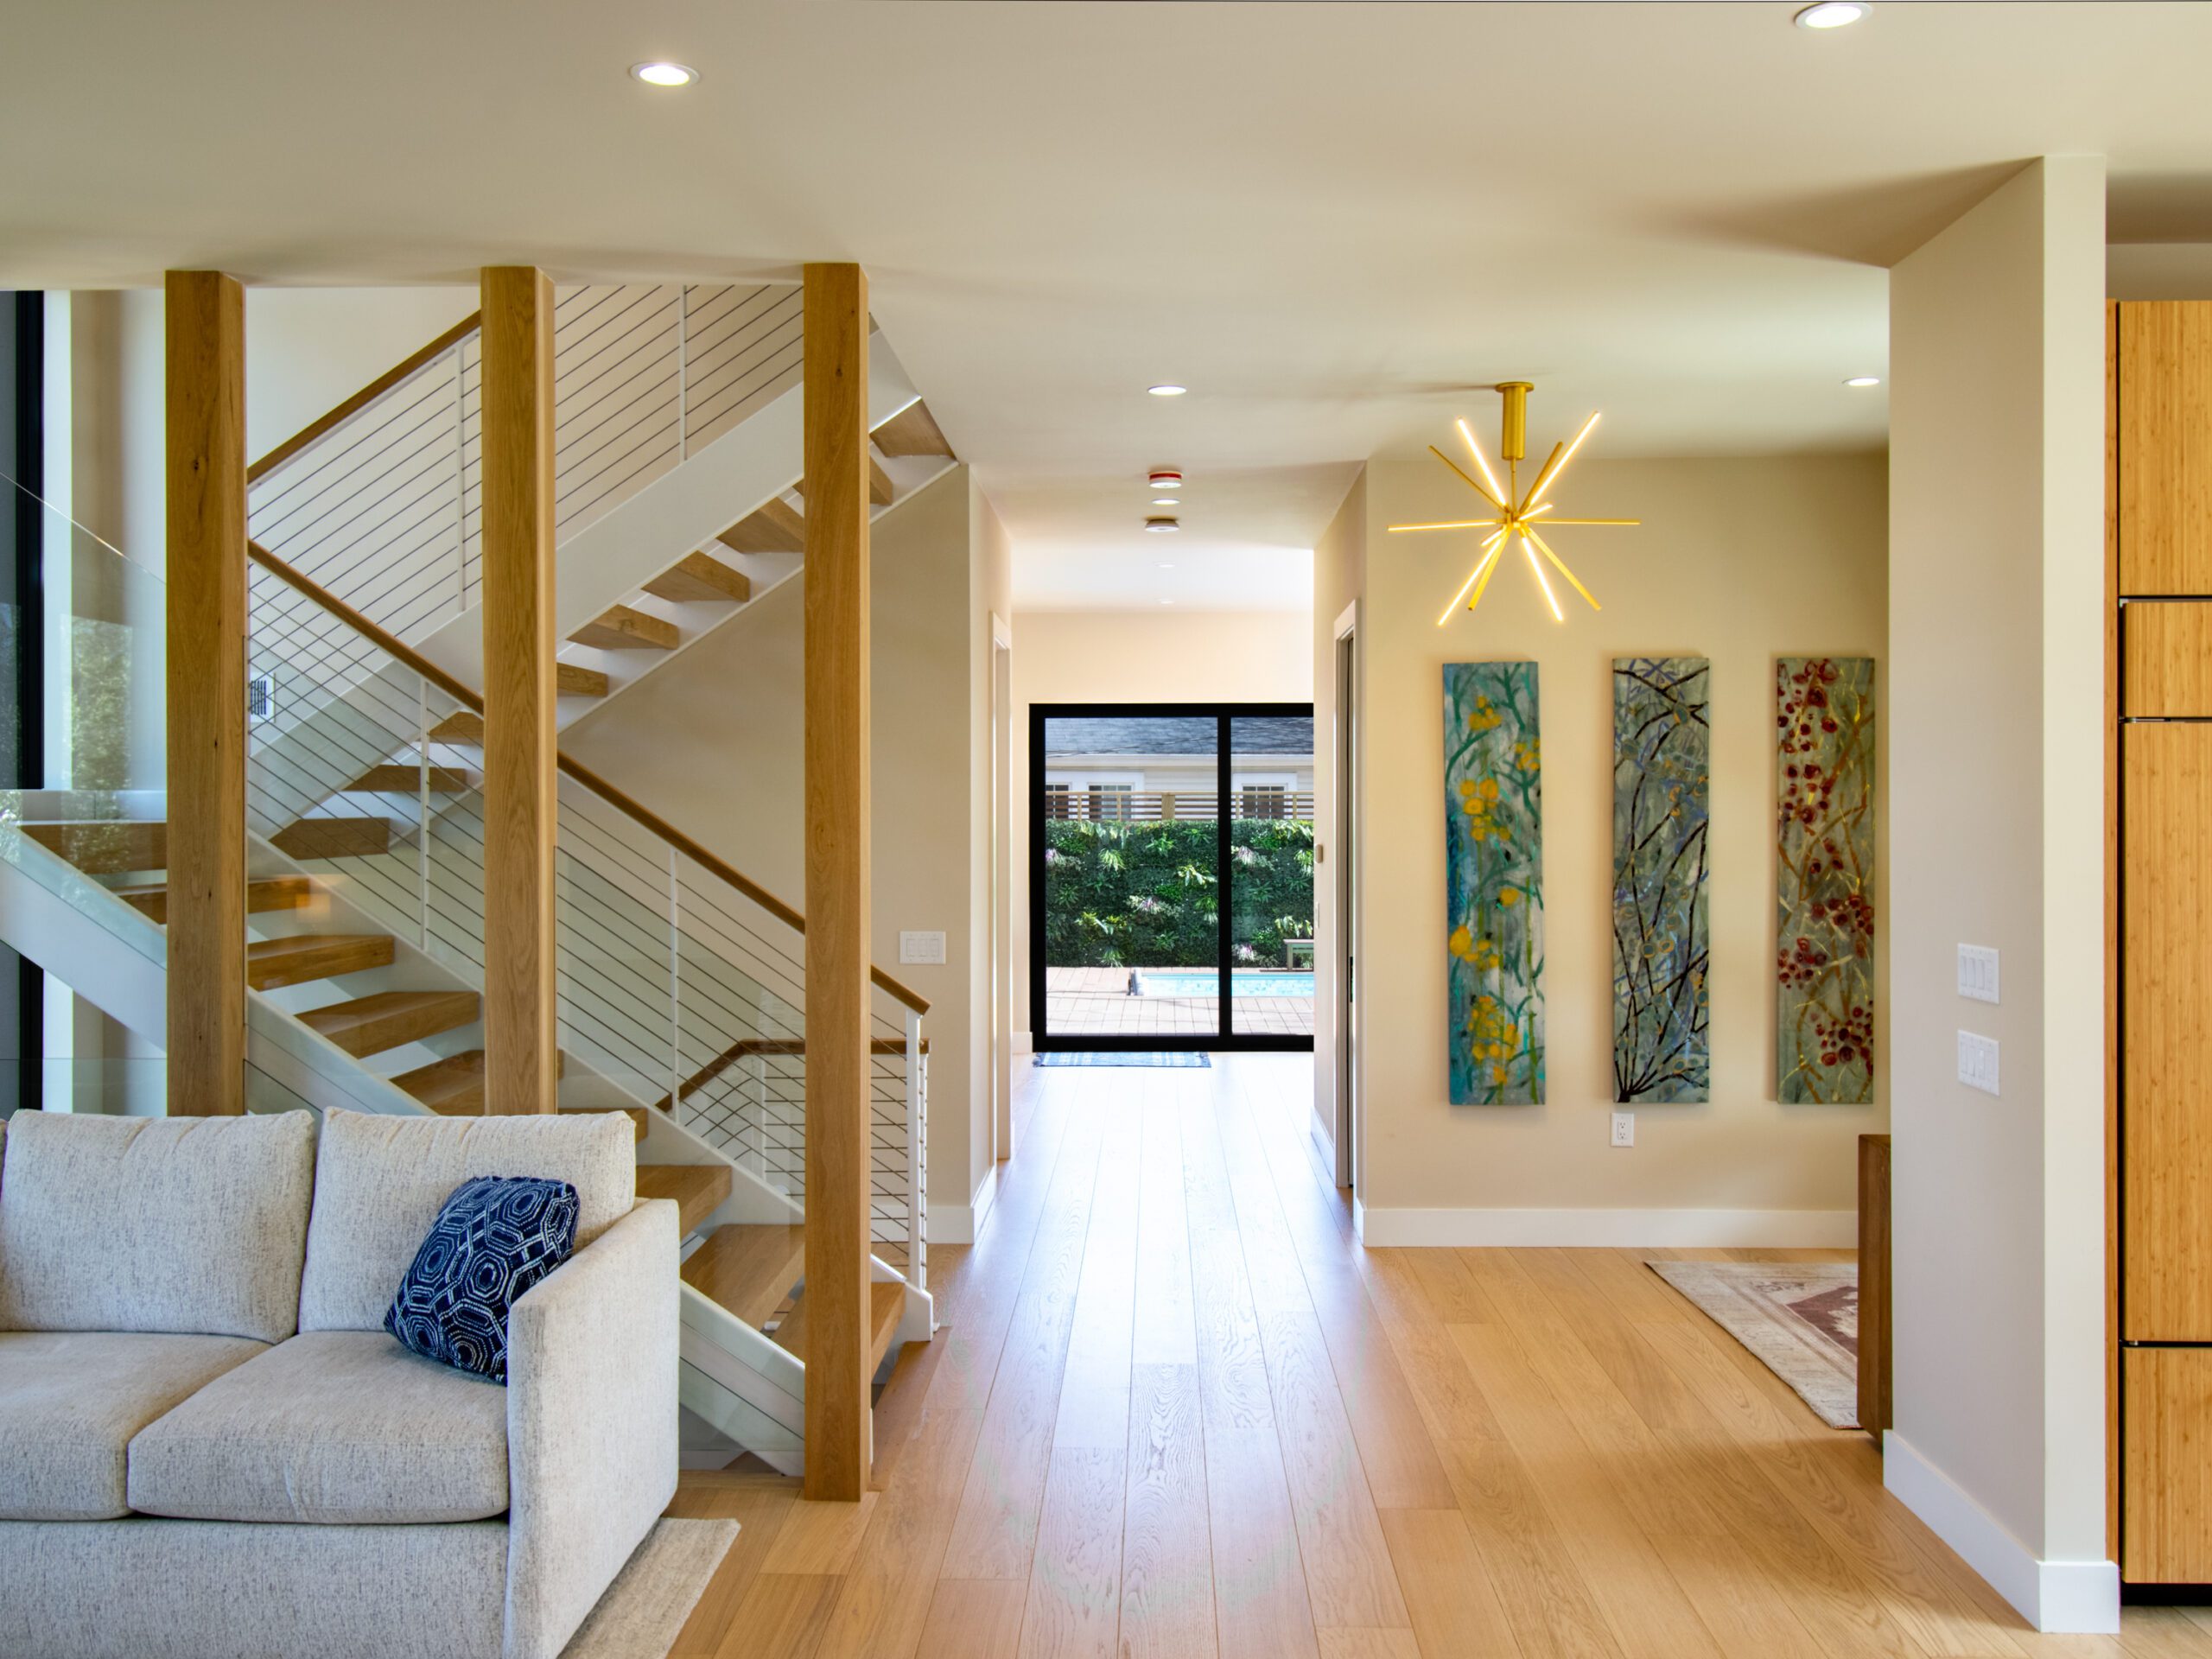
{"type": "Point", "coordinates": [519, 1010]}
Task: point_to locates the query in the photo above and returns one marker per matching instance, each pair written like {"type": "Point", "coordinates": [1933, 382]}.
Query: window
{"type": "Point", "coordinates": [1111, 803]}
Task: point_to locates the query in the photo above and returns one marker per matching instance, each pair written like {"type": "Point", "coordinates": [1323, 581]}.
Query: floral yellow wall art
{"type": "Point", "coordinates": [1824, 966]}
{"type": "Point", "coordinates": [1494, 884]}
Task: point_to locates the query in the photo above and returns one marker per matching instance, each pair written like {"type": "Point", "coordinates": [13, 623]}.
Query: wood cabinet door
{"type": "Point", "coordinates": [2165, 447]}
{"type": "Point", "coordinates": [2166, 1483]}
{"type": "Point", "coordinates": [2166, 1003]}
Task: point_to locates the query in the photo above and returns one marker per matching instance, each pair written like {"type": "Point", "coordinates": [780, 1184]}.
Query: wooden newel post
{"type": "Point", "coordinates": [519, 640]}
{"type": "Point", "coordinates": [838, 909]}
{"type": "Point", "coordinates": [206, 453]}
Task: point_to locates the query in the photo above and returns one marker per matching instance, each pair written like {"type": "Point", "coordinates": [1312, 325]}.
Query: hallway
{"type": "Point", "coordinates": [1176, 1410]}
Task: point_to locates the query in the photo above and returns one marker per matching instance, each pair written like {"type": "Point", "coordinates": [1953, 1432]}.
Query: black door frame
{"type": "Point", "coordinates": [1043, 1038]}
{"type": "Point", "coordinates": [23, 459]}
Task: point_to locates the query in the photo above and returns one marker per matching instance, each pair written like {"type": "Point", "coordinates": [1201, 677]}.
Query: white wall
{"type": "Point", "coordinates": [1996, 661]}
{"type": "Point", "coordinates": [1339, 579]}
{"type": "Point", "coordinates": [1739, 561]}
{"type": "Point", "coordinates": [1161, 656]}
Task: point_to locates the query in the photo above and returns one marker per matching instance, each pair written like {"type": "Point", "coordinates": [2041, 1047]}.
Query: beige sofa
{"type": "Point", "coordinates": [208, 1443]}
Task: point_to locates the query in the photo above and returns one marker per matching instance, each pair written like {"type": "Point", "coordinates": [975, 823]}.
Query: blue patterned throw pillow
{"type": "Point", "coordinates": [496, 1236]}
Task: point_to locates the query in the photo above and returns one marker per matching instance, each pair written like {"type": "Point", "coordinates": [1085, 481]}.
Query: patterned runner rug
{"type": "Point", "coordinates": [1800, 1318]}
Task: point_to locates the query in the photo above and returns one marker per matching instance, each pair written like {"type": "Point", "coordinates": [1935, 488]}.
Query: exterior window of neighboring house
{"type": "Point", "coordinates": [1056, 802]}
{"type": "Point", "coordinates": [1110, 802]}
{"type": "Point", "coordinates": [1263, 801]}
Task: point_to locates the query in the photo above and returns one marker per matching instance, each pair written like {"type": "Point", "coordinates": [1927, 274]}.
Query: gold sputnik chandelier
{"type": "Point", "coordinates": [1517, 513]}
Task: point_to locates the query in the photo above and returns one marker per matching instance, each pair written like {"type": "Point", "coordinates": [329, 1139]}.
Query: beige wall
{"type": "Point", "coordinates": [1996, 642]}
{"type": "Point", "coordinates": [1339, 578]}
{"type": "Point", "coordinates": [1139, 657]}
{"type": "Point", "coordinates": [712, 740]}
{"type": "Point", "coordinates": [989, 747]}
{"type": "Point", "coordinates": [1738, 561]}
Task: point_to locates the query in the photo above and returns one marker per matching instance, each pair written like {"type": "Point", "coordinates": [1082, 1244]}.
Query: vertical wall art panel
{"type": "Point", "coordinates": [1661, 941]}
{"type": "Point", "coordinates": [1494, 883]}
{"type": "Point", "coordinates": [1824, 760]}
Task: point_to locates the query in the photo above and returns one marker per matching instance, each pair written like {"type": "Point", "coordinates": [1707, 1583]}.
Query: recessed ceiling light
{"type": "Point", "coordinates": [1833, 14]}
{"type": "Point", "coordinates": [1167, 391]}
{"type": "Point", "coordinates": [1164, 478]}
{"type": "Point", "coordinates": [661, 73]}
{"type": "Point", "coordinates": [1161, 524]}
{"type": "Point", "coordinates": [1167, 564]}
{"type": "Point", "coordinates": [1863, 380]}
{"type": "Point", "coordinates": [1167, 601]}
{"type": "Point", "coordinates": [1166, 501]}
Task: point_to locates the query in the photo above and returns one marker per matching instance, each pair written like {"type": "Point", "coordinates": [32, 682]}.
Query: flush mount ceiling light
{"type": "Point", "coordinates": [1165, 479]}
{"type": "Point", "coordinates": [1863, 380]}
{"type": "Point", "coordinates": [1165, 390]}
{"type": "Point", "coordinates": [1516, 512]}
{"type": "Point", "coordinates": [1161, 524]}
{"type": "Point", "coordinates": [1833, 14]}
{"type": "Point", "coordinates": [663, 73]}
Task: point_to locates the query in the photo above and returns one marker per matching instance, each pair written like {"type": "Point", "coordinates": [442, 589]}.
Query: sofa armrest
{"type": "Point", "coordinates": [591, 1423]}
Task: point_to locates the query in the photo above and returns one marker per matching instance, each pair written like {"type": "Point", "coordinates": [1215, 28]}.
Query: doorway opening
{"type": "Point", "coordinates": [1171, 875]}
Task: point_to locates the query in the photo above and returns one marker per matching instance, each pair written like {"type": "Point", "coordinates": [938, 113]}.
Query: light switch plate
{"type": "Point", "coordinates": [1978, 1062]}
{"type": "Point", "coordinates": [923, 948]}
{"type": "Point", "coordinates": [1978, 972]}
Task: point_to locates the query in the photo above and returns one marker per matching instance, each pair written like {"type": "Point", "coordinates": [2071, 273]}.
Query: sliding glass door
{"type": "Point", "coordinates": [1171, 875]}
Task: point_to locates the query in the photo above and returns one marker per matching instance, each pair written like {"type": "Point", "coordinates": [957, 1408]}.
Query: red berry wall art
{"type": "Point", "coordinates": [1824, 843]}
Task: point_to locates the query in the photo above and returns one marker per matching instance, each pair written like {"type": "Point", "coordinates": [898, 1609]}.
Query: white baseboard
{"type": "Point", "coordinates": [2073, 1596]}
{"type": "Point", "coordinates": [1613, 1228]}
{"type": "Point", "coordinates": [959, 1224]}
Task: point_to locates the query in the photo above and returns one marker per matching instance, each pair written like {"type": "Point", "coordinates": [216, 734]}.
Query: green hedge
{"type": "Point", "coordinates": [1147, 895]}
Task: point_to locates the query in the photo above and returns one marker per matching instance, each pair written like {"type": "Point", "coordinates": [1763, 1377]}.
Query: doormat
{"type": "Point", "coordinates": [1800, 1319]}
{"type": "Point", "coordinates": [1182, 1057]}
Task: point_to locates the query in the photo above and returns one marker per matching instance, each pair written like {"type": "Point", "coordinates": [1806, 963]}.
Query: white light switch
{"type": "Point", "coordinates": [1978, 972]}
{"type": "Point", "coordinates": [1978, 1062]}
{"type": "Point", "coordinates": [921, 947]}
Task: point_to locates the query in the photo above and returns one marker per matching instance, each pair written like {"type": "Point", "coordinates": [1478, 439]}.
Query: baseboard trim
{"type": "Point", "coordinates": [1610, 1229]}
{"type": "Point", "coordinates": [959, 1224]}
{"type": "Point", "coordinates": [2075, 1598]}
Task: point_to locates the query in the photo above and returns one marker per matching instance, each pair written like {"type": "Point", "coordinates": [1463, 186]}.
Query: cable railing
{"type": "Point", "coordinates": [681, 983]}
{"type": "Point", "coordinates": [380, 501]}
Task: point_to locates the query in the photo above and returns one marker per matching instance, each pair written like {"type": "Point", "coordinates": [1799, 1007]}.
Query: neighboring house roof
{"type": "Point", "coordinates": [1173, 735]}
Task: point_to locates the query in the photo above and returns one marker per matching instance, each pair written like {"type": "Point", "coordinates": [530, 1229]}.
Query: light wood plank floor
{"type": "Point", "coordinates": [1175, 1410]}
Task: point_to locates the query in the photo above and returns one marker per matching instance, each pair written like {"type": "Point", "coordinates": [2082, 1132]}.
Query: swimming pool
{"type": "Point", "coordinates": [1203, 982]}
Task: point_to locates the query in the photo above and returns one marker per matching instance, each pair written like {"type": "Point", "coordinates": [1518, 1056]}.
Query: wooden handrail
{"type": "Point", "coordinates": [748, 1047]}
{"type": "Point", "coordinates": [367, 395]}
{"type": "Point", "coordinates": [393, 646]}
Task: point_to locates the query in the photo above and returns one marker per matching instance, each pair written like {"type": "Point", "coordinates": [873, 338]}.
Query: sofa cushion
{"type": "Point", "coordinates": [169, 1224]}
{"type": "Point", "coordinates": [71, 1401]}
{"type": "Point", "coordinates": [334, 1427]}
{"type": "Point", "coordinates": [381, 1182]}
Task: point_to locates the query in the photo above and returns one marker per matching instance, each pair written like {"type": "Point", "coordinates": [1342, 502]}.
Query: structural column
{"type": "Point", "coordinates": [836, 489]}
{"type": "Point", "coordinates": [206, 370]}
{"type": "Point", "coordinates": [519, 640]}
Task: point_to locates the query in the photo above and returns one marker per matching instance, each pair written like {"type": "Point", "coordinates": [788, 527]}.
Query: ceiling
{"type": "Point", "coordinates": [1334, 222]}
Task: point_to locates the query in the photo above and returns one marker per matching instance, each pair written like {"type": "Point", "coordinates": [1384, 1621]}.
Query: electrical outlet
{"type": "Point", "coordinates": [1624, 1128]}
{"type": "Point", "coordinates": [924, 948]}
{"type": "Point", "coordinates": [1978, 1062]}
{"type": "Point", "coordinates": [1978, 972]}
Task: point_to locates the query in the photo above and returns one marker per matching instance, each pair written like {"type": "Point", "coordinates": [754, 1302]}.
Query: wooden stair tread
{"type": "Point", "coordinates": [369, 1025]}
{"type": "Point", "coordinates": [454, 1085]}
{"type": "Point", "coordinates": [746, 1268]}
{"type": "Point", "coordinates": [912, 431]}
{"type": "Point", "coordinates": [570, 680]}
{"type": "Point", "coordinates": [697, 1188]}
{"type": "Point", "coordinates": [262, 894]}
{"type": "Point", "coordinates": [294, 960]}
{"type": "Point", "coordinates": [775, 526]}
{"type": "Point", "coordinates": [700, 578]}
{"type": "Point", "coordinates": [886, 1301]}
{"type": "Point", "coordinates": [105, 845]}
{"type": "Point", "coordinates": [624, 629]}
{"type": "Point", "coordinates": [333, 837]}
{"type": "Point", "coordinates": [637, 1114]}
{"type": "Point", "coordinates": [460, 727]}
{"type": "Point", "coordinates": [402, 779]}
